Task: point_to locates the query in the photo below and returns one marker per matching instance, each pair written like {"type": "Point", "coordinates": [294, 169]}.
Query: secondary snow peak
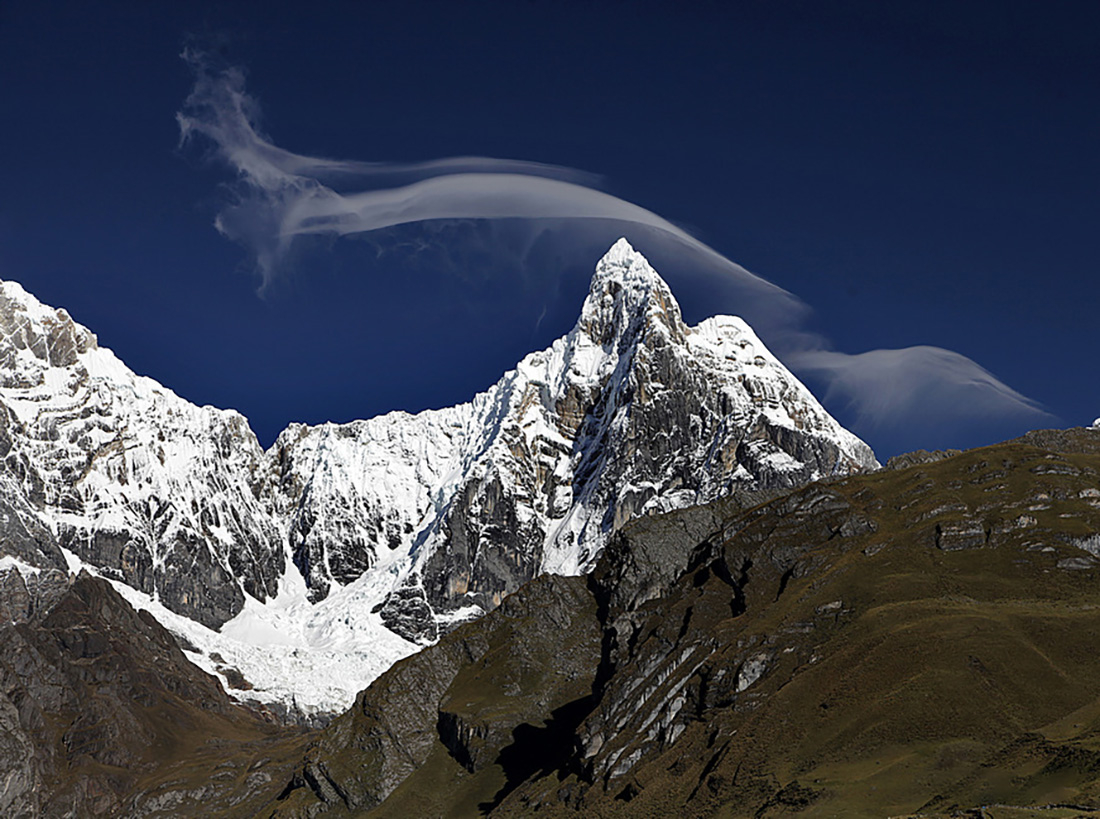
{"type": "Point", "coordinates": [34, 337]}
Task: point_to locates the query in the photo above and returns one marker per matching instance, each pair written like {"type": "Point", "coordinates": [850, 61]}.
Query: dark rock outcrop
{"type": "Point", "coordinates": [406, 613]}
{"type": "Point", "coordinates": [920, 456]}
{"type": "Point", "coordinates": [24, 597]}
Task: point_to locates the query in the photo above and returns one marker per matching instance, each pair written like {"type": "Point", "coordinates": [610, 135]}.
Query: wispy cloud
{"type": "Point", "coordinates": [281, 198]}
{"type": "Point", "coordinates": [883, 386]}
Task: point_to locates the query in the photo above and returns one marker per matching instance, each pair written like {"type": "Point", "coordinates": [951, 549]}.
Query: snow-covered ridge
{"type": "Point", "coordinates": [341, 537]}
{"type": "Point", "coordinates": [154, 490]}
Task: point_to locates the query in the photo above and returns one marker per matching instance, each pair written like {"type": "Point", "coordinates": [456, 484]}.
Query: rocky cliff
{"type": "Point", "coordinates": [133, 480]}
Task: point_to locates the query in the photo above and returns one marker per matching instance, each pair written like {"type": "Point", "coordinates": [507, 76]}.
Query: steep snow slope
{"type": "Point", "coordinates": [300, 567]}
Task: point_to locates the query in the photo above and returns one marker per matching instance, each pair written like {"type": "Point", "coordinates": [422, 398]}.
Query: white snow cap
{"type": "Point", "coordinates": [622, 251]}
{"type": "Point", "coordinates": [626, 295]}
{"type": "Point", "coordinates": [1096, 424]}
{"type": "Point", "coordinates": [625, 265]}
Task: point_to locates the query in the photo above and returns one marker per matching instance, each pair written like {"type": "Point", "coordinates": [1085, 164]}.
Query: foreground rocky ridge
{"type": "Point", "coordinates": [921, 639]}
{"type": "Point", "coordinates": [405, 523]}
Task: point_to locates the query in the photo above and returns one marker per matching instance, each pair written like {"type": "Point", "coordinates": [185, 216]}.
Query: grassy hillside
{"type": "Point", "coordinates": [920, 640]}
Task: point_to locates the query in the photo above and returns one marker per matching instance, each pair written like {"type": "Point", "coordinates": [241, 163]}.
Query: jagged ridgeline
{"type": "Point", "coordinates": [345, 547]}
{"type": "Point", "coordinates": [924, 640]}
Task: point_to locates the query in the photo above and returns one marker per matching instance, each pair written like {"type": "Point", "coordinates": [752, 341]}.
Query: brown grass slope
{"type": "Point", "coordinates": [114, 720]}
{"type": "Point", "coordinates": [925, 639]}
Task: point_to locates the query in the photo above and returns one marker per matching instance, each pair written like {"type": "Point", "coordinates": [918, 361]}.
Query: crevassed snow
{"type": "Point", "coordinates": [317, 657]}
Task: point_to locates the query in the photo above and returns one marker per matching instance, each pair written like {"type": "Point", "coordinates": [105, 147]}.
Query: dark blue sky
{"type": "Point", "coordinates": [918, 173]}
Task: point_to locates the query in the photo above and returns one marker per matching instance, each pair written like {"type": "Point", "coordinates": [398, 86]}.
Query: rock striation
{"type": "Point", "coordinates": [132, 479]}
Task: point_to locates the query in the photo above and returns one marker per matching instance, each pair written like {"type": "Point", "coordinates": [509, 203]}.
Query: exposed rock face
{"type": "Point", "coordinates": [968, 534]}
{"type": "Point", "coordinates": [24, 597]}
{"type": "Point", "coordinates": [406, 612]}
{"type": "Point", "coordinates": [23, 532]}
{"type": "Point", "coordinates": [920, 456]}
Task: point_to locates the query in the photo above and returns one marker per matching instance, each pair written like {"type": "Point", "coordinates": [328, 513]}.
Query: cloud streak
{"type": "Point", "coordinates": [281, 198]}
{"type": "Point", "coordinates": [880, 385]}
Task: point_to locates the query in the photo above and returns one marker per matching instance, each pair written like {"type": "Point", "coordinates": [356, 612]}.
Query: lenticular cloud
{"type": "Point", "coordinates": [886, 384]}
{"type": "Point", "coordinates": [280, 198]}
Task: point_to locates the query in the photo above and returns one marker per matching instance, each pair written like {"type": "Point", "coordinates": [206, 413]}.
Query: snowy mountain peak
{"type": "Point", "coordinates": [622, 253]}
{"type": "Point", "coordinates": [125, 475]}
{"type": "Point", "coordinates": [627, 296]}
